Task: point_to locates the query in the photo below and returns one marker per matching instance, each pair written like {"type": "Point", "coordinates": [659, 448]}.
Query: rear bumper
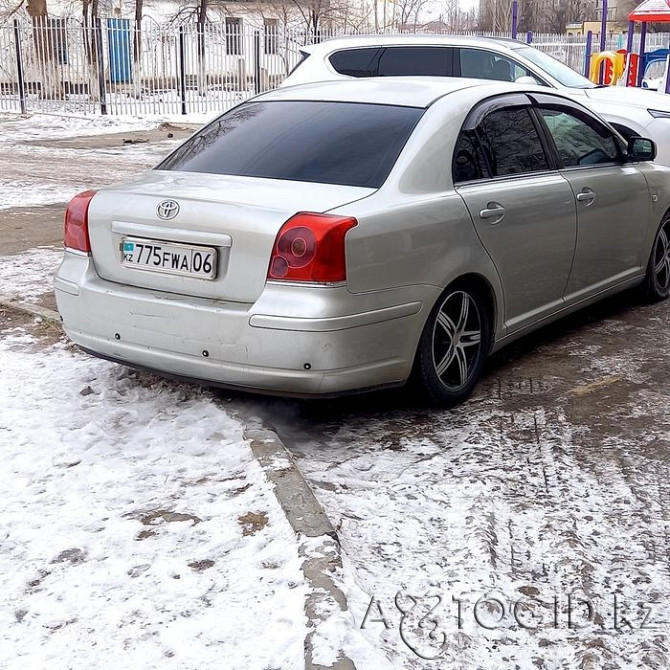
{"type": "Point", "coordinates": [293, 340]}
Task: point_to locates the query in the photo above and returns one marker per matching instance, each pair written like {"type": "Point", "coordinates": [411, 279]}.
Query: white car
{"type": "Point", "coordinates": [654, 75]}
{"type": "Point", "coordinates": [632, 111]}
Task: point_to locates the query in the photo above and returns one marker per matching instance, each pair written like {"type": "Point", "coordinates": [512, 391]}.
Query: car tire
{"type": "Point", "coordinates": [656, 284]}
{"type": "Point", "coordinates": [454, 345]}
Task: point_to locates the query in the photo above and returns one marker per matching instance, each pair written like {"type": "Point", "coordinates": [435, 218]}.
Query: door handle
{"type": "Point", "coordinates": [587, 196]}
{"type": "Point", "coordinates": [494, 212]}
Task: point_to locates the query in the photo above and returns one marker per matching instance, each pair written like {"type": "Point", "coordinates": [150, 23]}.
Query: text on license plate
{"type": "Point", "coordinates": [170, 258]}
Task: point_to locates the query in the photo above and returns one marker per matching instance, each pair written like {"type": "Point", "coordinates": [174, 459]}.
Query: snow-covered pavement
{"type": "Point", "coordinates": [27, 277]}
{"type": "Point", "coordinates": [137, 530]}
{"type": "Point", "coordinates": [35, 174]}
{"type": "Point", "coordinates": [491, 525]}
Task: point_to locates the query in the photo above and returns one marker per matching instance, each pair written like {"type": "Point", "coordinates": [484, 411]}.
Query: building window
{"type": "Point", "coordinates": [270, 31]}
{"type": "Point", "coordinates": [233, 35]}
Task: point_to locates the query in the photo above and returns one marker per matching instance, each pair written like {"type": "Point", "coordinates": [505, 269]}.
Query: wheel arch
{"type": "Point", "coordinates": [484, 286]}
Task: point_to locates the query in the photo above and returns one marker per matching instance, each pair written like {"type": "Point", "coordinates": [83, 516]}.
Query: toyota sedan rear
{"type": "Point", "coordinates": [337, 237]}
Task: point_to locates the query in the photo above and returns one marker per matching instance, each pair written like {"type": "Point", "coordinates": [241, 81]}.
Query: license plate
{"type": "Point", "coordinates": [169, 258]}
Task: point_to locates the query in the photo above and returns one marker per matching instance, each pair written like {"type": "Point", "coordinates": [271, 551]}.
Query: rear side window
{"type": "Point", "coordinates": [352, 144]}
{"type": "Point", "coordinates": [416, 61]}
{"type": "Point", "coordinates": [356, 62]}
{"type": "Point", "coordinates": [511, 142]}
{"type": "Point", "coordinates": [469, 163]}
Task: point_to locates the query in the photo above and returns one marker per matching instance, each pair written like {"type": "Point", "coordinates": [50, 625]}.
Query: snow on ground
{"type": "Point", "coordinates": [45, 126]}
{"type": "Point", "coordinates": [552, 483]}
{"type": "Point", "coordinates": [140, 532]}
{"type": "Point", "coordinates": [34, 174]}
{"type": "Point", "coordinates": [46, 175]}
{"type": "Point", "coordinates": [137, 529]}
{"type": "Point", "coordinates": [26, 277]}
{"type": "Point", "coordinates": [15, 128]}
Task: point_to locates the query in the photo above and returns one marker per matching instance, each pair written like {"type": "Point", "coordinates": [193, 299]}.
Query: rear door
{"type": "Point", "coordinates": [612, 197]}
{"type": "Point", "coordinates": [522, 208]}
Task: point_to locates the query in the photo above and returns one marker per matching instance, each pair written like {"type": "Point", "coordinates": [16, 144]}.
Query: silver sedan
{"type": "Point", "coordinates": [341, 236]}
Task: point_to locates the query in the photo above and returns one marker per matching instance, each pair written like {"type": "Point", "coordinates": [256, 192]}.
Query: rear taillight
{"type": "Point", "coordinates": [76, 222]}
{"type": "Point", "coordinates": [310, 247]}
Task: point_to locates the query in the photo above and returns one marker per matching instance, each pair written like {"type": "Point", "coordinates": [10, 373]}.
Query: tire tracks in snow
{"type": "Point", "coordinates": [550, 483]}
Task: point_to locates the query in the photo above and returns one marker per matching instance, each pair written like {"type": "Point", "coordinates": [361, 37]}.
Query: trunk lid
{"type": "Point", "coordinates": [238, 216]}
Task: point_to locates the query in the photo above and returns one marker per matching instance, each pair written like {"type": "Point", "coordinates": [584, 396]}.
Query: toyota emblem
{"type": "Point", "coordinates": [167, 209]}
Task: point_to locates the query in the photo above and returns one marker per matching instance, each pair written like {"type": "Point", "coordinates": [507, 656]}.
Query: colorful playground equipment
{"type": "Point", "coordinates": [657, 11]}
{"type": "Point", "coordinates": [624, 66]}
{"type": "Point", "coordinates": [646, 69]}
{"type": "Point", "coordinates": [613, 65]}
{"type": "Point", "coordinates": [655, 65]}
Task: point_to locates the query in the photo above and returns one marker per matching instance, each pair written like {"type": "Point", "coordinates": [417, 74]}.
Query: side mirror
{"type": "Point", "coordinates": [526, 80]}
{"type": "Point", "coordinates": [641, 149]}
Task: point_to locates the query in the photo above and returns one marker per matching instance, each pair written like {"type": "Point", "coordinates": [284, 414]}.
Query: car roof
{"type": "Point", "coordinates": [354, 41]}
{"type": "Point", "coordinates": [418, 92]}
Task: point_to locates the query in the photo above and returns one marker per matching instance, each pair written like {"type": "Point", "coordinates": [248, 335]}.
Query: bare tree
{"type": "Point", "coordinates": [43, 38]}
{"type": "Point", "coordinates": [200, 26]}
{"type": "Point", "coordinates": [408, 12]}
{"type": "Point", "coordinates": [198, 11]}
{"type": "Point", "coordinates": [137, 35]}
{"type": "Point", "coordinates": [315, 15]}
{"type": "Point", "coordinates": [495, 16]}
{"type": "Point", "coordinates": [354, 16]}
{"type": "Point", "coordinates": [91, 33]}
{"type": "Point", "coordinates": [452, 14]}
{"type": "Point", "coordinates": [564, 12]}
{"type": "Point", "coordinates": [9, 8]}
{"type": "Point", "coordinates": [528, 16]}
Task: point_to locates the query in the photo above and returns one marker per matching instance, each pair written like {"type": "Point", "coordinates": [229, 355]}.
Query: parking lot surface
{"type": "Point", "coordinates": [527, 528]}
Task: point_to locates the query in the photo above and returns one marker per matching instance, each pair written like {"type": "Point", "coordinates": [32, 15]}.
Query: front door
{"type": "Point", "coordinates": [611, 196]}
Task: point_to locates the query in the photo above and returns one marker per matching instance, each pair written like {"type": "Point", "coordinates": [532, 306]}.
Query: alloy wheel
{"type": "Point", "coordinates": [662, 258]}
{"type": "Point", "coordinates": [457, 338]}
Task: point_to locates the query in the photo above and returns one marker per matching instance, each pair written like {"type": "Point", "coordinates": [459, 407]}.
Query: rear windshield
{"type": "Point", "coordinates": [351, 144]}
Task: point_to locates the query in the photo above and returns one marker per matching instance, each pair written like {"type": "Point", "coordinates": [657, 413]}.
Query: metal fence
{"type": "Point", "coordinates": [115, 66]}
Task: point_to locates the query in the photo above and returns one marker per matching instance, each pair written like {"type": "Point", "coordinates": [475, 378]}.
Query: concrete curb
{"type": "Point", "coordinates": [319, 544]}
{"type": "Point", "coordinates": [35, 310]}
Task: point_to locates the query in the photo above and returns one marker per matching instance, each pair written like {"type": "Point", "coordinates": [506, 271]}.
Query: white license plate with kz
{"type": "Point", "coordinates": [169, 258]}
